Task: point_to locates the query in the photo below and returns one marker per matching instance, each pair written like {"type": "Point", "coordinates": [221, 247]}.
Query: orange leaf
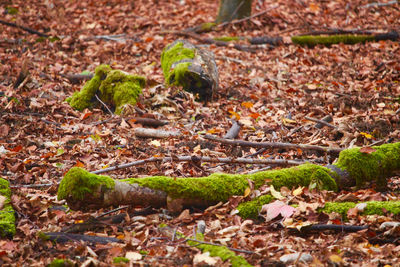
{"type": "Point", "coordinates": [314, 7]}
{"type": "Point", "coordinates": [247, 104]}
{"type": "Point", "coordinates": [367, 150]}
{"type": "Point", "coordinates": [255, 115]}
{"type": "Point", "coordinates": [79, 164]}
{"type": "Point", "coordinates": [16, 149]}
{"type": "Point", "coordinates": [86, 115]}
{"type": "Point", "coordinates": [234, 114]}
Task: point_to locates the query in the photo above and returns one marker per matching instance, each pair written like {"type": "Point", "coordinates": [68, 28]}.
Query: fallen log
{"type": "Point", "coordinates": [84, 190]}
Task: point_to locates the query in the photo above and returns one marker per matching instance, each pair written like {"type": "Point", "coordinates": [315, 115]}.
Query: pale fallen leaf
{"type": "Point", "coordinates": [298, 191]}
{"type": "Point", "coordinates": [247, 191]}
{"type": "Point", "coordinates": [155, 143]}
{"type": "Point", "coordinates": [2, 201]}
{"type": "Point", "coordinates": [204, 259]}
{"type": "Point", "coordinates": [133, 256]}
{"type": "Point", "coordinates": [275, 193]}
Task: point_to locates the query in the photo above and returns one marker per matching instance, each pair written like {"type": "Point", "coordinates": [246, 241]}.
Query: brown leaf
{"type": "Point", "coordinates": [367, 150]}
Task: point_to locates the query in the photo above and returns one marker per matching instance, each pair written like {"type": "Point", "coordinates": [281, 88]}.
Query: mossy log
{"type": "Point", "coordinates": [312, 40]}
{"type": "Point", "coordinates": [7, 217]}
{"type": "Point", "coordinates": [194, 69]}
{"type": "Point", "coordinates": [115, 88]}
{"type": "Point", "coordinates": [84, 190]}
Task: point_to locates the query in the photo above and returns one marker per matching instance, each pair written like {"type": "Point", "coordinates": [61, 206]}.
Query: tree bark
{"type": "Point", "coordinates": [233, 9]}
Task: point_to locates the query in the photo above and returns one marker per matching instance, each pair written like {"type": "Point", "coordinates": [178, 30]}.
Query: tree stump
{"type": "Point", "coordinates": [193, 68]}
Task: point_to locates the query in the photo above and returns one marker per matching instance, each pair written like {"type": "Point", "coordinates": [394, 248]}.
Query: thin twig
{"type": "Point", "coordinates": [111, 211]}
{"type": "Point", "coordinates": [31, 185]}
{"type": "Point", "coordinates": [282, 162]}
{"type": "Point", "coordinates": [378, 4]}
{"type": "Point", "coordinates": [23, 28]}
{"type": "Point", "coordinates": [273, 145]}
{"type": "Point", "coordinates": [321, 122]}
{"type": "Point", "coordinates": [108, 109]}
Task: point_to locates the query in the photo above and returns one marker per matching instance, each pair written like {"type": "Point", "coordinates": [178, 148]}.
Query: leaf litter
{"type": "Point", "coordinates": [269, 92]}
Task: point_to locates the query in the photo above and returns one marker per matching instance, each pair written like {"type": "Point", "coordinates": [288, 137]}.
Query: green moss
{"type": "Point", "coordinates": [312, 40]}
{"type": "Point", "coordinates": [227, 38]}
{"type": "Point", "coordinates": [120, 260]}
{"type": "Point", "coordinates": [120, 89]}
{"type": "Point", "coordinates": [79, 182]}
{"type": "Point", "coordinates": [302, 175]}
{"type": "Point", "coordinates": [171, 55]}
{"type": "Point", "coordinates": [216, 187]}
{"type": "Point", "coordinates": [364, 167]}
{"type": "Point", "coordinates": [219, 251]}
{"type": "Point", "coordinates": [373, 207]}
{"type": "Point", "coordinates": [219, 186]}
{"type": "Point", "coordinates": [251, 209]}
{"type": "Point", "coordinates": [7, 218]}
{"type": "Point", "coordinates": [207, 26]}
{"type": "Point", "coordinates": [114, 87]}
{"type": "Point", "coordinates": [60, 263]}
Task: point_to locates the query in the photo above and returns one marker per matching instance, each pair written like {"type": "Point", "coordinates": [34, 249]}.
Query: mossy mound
{"type": "Point", "coordinates": [220, 251]}
{"type": "Point", "coordinates": [79, 182]}
{"type": "Point", "coordinates": [7, 217]}
{"type": "Point", "coordinates": [113, 87]}
{"type": "Point", "coordinates": [251, 209]}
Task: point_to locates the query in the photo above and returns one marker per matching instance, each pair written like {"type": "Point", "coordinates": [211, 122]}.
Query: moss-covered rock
{"type": "Point", "coordinates": [7, 217]}
{"type": "Point", "coordinates": [312, 40]}
{"type": "Point", "coordinates": [113, 87]}
{"type": "Point", "coordinates": [77, 183]}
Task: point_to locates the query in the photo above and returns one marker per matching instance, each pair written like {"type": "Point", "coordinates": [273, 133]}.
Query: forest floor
{"type": "Point", "coordinates": [269, 91]}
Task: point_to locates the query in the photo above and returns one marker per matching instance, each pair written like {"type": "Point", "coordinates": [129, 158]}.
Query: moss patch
{"type": "Point", "coordinates": [219, 251]}
{"type": "Point", "coordinates": [173, 70]}
{"type": "Point", "coordinates": [227, 38]}
{"type": "Point", "coordinates": [312, 40]}
{"type": "Point", "coordinates": [7, 218]}
{"type": "Point", "coordinates": [373, 207]}
{"type": "Point", "coordinates": [251, 209]}
{"type": "Point", "coordinates": [364, 167]}
{"type": "Point", "coordinates": [61, 263]}
{"type": "Point", "coordinates": [113, 87]}
{"type": "Point", "coordinates": [117, 260]}
{"type": "Point", "coordinates": [79, 182]}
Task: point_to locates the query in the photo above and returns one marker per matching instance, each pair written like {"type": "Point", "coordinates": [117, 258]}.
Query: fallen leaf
{"type": "Point", "coordinates": [367, 150]}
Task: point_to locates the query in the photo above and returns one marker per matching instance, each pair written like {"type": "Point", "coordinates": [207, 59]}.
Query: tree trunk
{"type": "Point", "coordinates": [233, 9]}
